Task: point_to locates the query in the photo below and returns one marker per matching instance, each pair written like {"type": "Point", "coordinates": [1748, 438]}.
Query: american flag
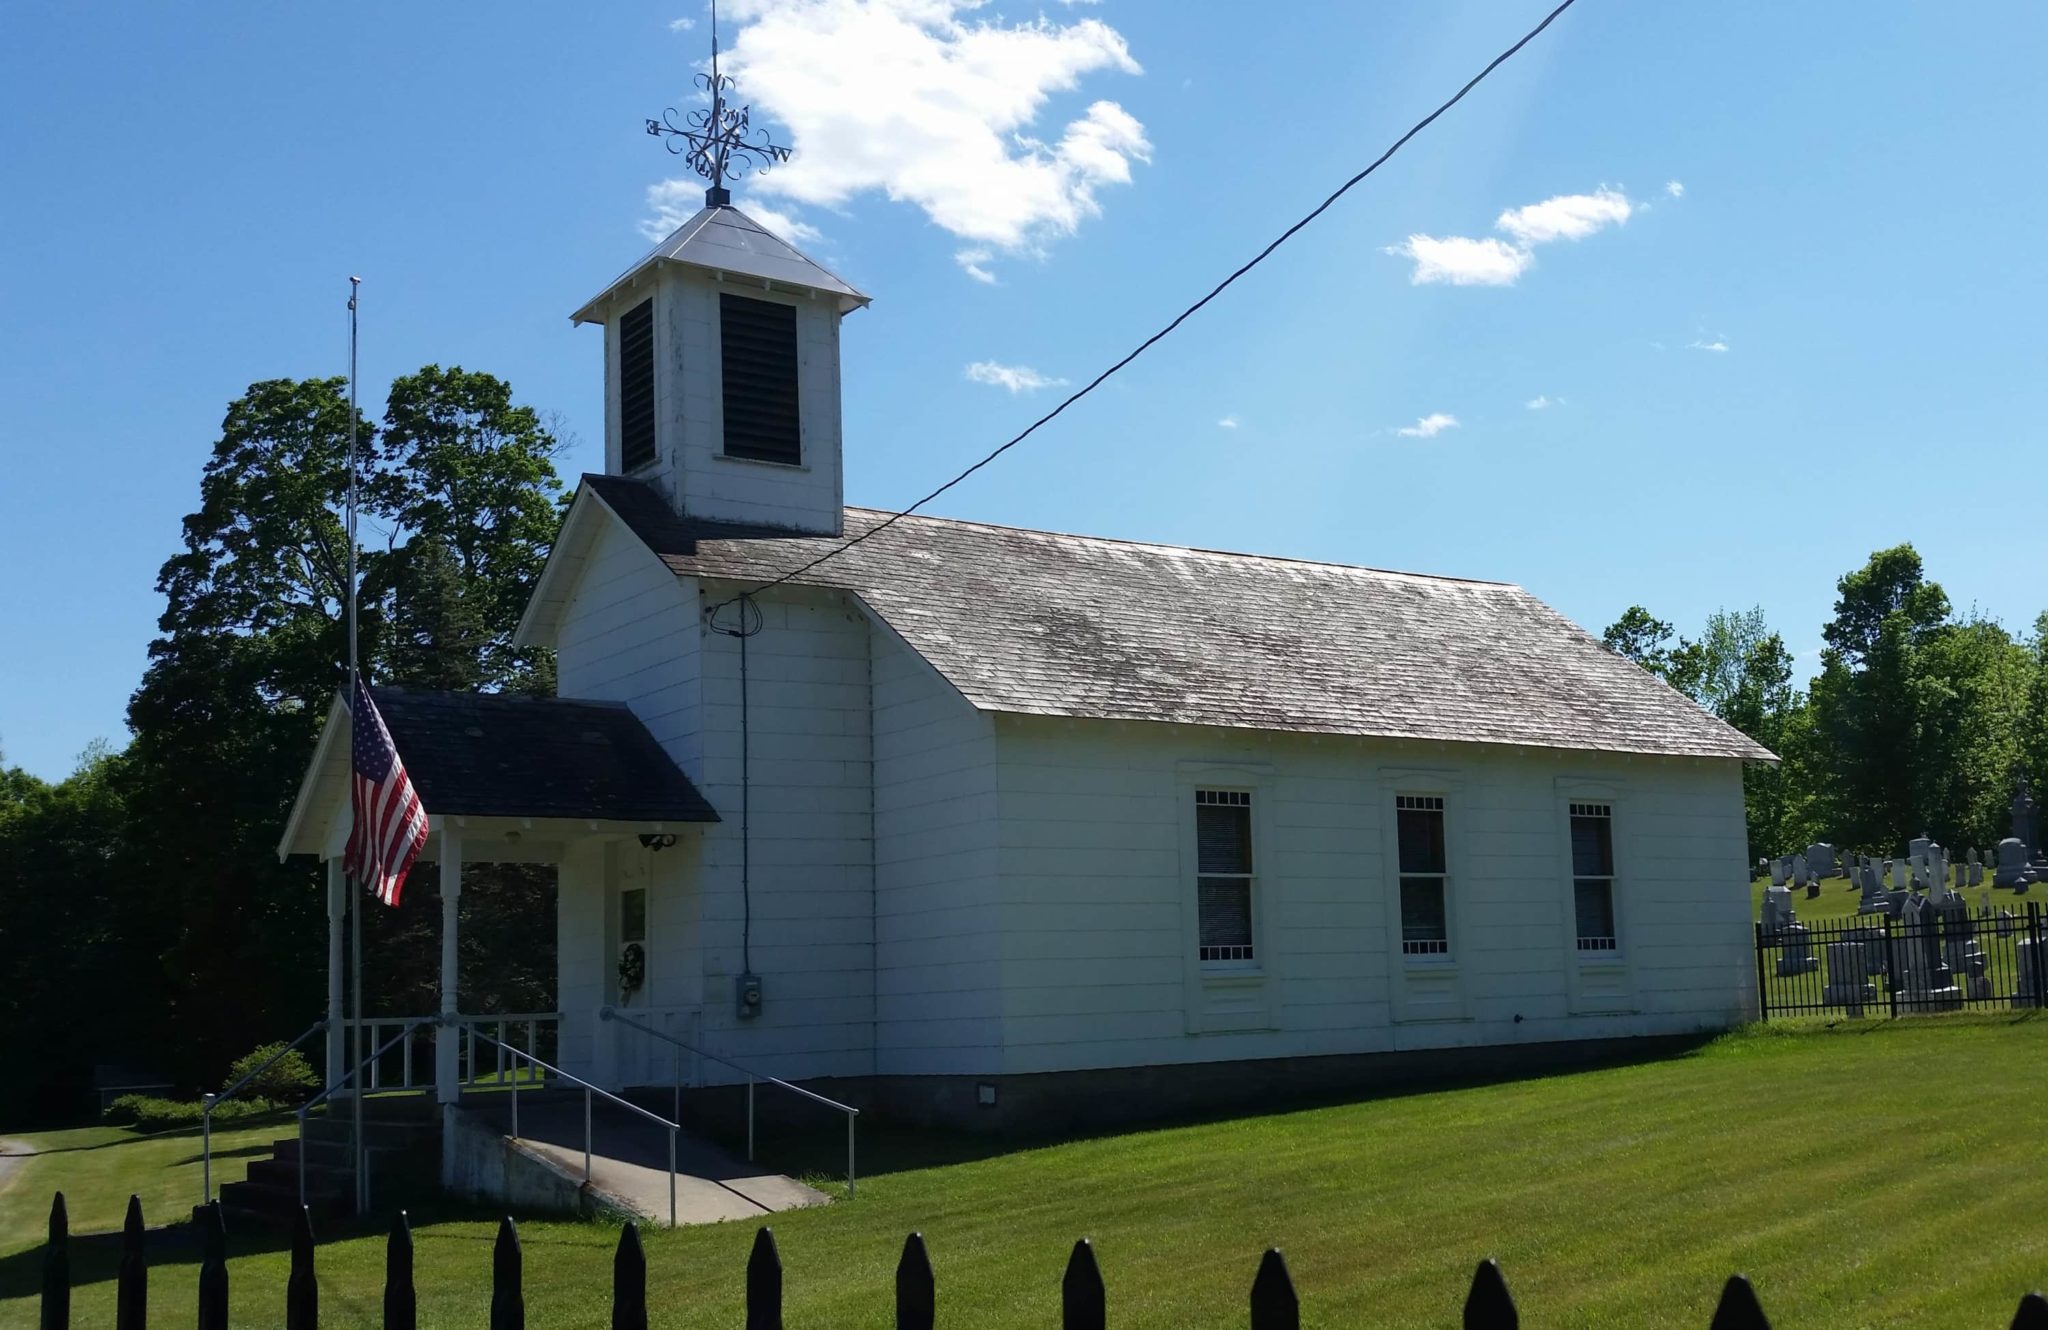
{"type": "Point", "coordinates": [390, 826]}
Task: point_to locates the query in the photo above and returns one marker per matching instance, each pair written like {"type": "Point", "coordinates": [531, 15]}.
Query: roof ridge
{"type": "Point", "coordinates": [1189, 549]}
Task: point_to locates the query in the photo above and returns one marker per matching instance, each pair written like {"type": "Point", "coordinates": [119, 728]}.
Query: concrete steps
{"type": "Point", "coordinates": [400, 1134]}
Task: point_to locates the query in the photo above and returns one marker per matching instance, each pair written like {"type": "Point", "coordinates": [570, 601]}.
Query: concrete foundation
{"type": "Point", "coordinates": [1053, 1103]}
{"type": "Point", "coordinates": [480, 1163]}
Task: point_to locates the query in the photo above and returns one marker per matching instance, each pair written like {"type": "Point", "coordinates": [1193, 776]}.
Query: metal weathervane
{"type": "Point", "coordinates": [718, 141]}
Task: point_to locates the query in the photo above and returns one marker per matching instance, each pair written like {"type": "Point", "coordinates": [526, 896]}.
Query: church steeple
{"type": "Point", "coordinates": [722, 348]}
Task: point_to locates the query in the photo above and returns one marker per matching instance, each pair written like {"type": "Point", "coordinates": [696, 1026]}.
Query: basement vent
{"type": "Point", "coordinates": [636, 387]}
{"type": "Point", "coordinates": [757, 350]}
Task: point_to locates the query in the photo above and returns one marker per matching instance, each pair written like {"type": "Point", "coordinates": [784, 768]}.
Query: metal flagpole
{"type": "Point", "coordinates": [355, 904]}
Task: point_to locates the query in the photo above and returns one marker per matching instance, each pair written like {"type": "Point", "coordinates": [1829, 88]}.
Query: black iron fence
{"type": "Point", "coordinates": [1084, 1302]}
{"type": "Point", "coordinates": [1941, 959]}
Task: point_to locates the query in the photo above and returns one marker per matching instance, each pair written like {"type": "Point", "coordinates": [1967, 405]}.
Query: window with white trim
{"type": "Point", "coordinates": [1593, 875]}
{"type": "Point", "coordinates": [1425, 875]}
{"type": "Point", "coordinates": [1224, 875]}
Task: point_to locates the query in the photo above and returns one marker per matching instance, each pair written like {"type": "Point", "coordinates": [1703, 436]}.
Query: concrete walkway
{"type": "Point", "coordinates": [629, 1161]}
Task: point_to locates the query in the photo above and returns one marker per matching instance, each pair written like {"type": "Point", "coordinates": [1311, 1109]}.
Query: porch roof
{"type": "Point", "coordinates": [500, 755]}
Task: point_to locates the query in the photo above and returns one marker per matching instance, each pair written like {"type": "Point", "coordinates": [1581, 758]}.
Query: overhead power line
{"type": "Point", "coordinates": [1178, 319]}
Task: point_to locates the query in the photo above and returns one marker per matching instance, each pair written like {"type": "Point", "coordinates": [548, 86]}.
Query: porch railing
{"type": "Point", "coordinates": [753, 1077]}
{"type": "Point", "coordinates": [542, 1031]}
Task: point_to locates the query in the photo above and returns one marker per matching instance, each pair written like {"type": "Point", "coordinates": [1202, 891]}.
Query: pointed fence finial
{"type": "Point", "coordinates": [213, 1269]}
{"type": "Point", "coordinates": [1274, 1305]}
{"type": "Point", "coordinates": [2033, 1313]}
{"type": "Point", "coordinates": [1489, 1306]}
{"type": "Point", "coordinates": [764, 1283]}
{"type": "Point", "coordinates": [1081, 1299]}
{"type": "Point", "coordinates": [131, 1293]}
{"type": "Point", "coordinates": [629, 1282]}
{"type": "Point", "coordinates": [916, 1290]}
{"type": "Point", "coordinates": [508, 1300]}
{"type": "Point", "coordinates": [1739, 1309]}
{"type": "Point", "coordinates": [401, 1306]}
{"type": "Point", "coordinates": [57, 1269]}
{"type": "Point", "coordinates": [301, 1290]}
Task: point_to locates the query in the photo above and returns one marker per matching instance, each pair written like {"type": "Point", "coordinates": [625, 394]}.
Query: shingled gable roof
{"type": "Point", "coordinates": [498, 755]}
{"type": "Point", "coordinates": [1040, 623]}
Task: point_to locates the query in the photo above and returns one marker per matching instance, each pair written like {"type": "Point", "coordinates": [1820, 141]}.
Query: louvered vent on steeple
{"type": "Point", "coordinates": [758, 359]}
{"type": "Point", "coordinates": [636, 386]}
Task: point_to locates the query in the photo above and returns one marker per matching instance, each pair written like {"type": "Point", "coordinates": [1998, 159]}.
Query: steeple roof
{"type": "Point", "coordinates": [723, 239]}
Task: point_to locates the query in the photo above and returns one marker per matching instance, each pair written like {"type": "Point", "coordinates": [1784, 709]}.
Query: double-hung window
{"type": "Point", "coordinates": [1593, 875]}
{"type": "Point", "coordinates": [1224, 875]}
{"type": "Point", "coordinates": [1425, 875]}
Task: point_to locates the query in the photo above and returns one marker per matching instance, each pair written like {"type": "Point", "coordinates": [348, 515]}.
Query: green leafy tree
{"type": "Point", "coordinates": [80, 924]}
{"type": "Point", "coordinates": [1642, 638]}
{"type": "Point", "coordinates": [457, 489]}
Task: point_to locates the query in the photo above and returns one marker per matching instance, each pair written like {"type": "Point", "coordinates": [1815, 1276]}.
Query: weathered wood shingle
{"type": "Point", "coordinates": [499, 755]}
{"type": "Point", "coordinates": [1040, 623]}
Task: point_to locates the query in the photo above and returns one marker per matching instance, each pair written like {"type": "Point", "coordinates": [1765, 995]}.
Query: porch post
{"type": "Point", "coordinates": [337, 1033]}
{"type": "Point", "coordinates": [448, 1042]}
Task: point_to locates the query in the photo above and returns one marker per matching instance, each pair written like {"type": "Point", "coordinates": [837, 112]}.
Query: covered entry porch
{"type": "Point", "coordinates": [580, 787]}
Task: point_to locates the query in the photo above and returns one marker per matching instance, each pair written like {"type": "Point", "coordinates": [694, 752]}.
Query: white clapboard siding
{"type": "Point", "coordinates": [1097, 967]}
{"type": "Point", "coordinates": [938, 1000]}
{"type": "Point", "coordinates": [812, 859]}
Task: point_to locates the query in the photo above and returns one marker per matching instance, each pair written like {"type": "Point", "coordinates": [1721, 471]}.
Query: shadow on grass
{"type": "Point", "coordinates": [133, 1137]}
{"type": "Point", "coordinates": [889, 1146]}
{"type": "Point", "coordinates": [886, 1147]}
{"type": "Point", "coordinates": [263, 1148]}
{"type": "Point", "coordinates": [96, 1257]}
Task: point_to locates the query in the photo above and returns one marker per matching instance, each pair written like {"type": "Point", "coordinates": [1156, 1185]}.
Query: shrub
{"type": "Point", "coordinates": [289, 1080]}
{"type": "Point", "coordinates": [149, 1113]}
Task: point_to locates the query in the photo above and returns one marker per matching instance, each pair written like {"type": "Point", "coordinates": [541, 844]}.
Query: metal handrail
{"type": "Point", "coordinates": [364, 1181]}
{"type": "Point", "coordinates": [207, 1102]}
{"type": "Point", "coordinates": [852, 1113]}
{"type": "Point", "coordinates": [588, 1091]}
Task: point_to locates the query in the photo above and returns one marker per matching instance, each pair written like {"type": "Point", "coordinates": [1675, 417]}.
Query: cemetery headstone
{"type": "Point", "coordinates": [2012, 863]}
{"type": "Point", "coordinates": [2028, 991]}
{"type": "Point", "coordinates": [1849, 984]}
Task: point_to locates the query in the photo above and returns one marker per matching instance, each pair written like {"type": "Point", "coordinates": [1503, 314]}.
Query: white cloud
{"type": "Point", "coordinates": [1463, 261]}
{"type": "Point", "coordinates": [1675, 188]}
{"type": "Point", "coordinates": [928, 103]}
{"type": "Point", "coordinates": [1017, 378]}
{"type": "Point", "coordinates": [676, 201]}
{"type": "Point", "coordinates": [1470, 261]}
{"type": "Point", "coordinates": [1543, 403]}
{"type": "Point", "coordinates": [1565, 217]}
{"type": "Point", "coordinates": [681, 24]}
{"type": "Point", "coordinates": [1431, 425]}
{"type": "Point", "coordinates": [1228, 422]}
{"type": "Point", "coordinates": [974, 262]}
{"type": "Point", "coordinates": [1719, 344]}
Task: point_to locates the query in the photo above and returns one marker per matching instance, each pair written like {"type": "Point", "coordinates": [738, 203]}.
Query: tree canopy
{"type": "Point", "coordinates": [158, 864]}
{"type": "Point", "coordinates": [1918, 721]}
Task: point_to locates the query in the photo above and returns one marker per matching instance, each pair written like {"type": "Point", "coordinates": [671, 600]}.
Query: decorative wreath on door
{"type": "Point", "coordinates": [632, 967]}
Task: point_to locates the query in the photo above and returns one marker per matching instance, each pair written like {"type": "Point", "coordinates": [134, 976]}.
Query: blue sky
{"type": "Point", "coordinates": [1829, 344]}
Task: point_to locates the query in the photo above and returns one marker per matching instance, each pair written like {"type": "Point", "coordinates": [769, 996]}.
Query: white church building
{"type": "Point", "coordinates": [1004, 827]}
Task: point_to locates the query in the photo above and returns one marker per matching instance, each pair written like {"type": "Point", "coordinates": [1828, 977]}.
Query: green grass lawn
{"type": "Point", "coordinates": [1837, 903]}
{"type": "Point", "coordinates": [1880, 1174]}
